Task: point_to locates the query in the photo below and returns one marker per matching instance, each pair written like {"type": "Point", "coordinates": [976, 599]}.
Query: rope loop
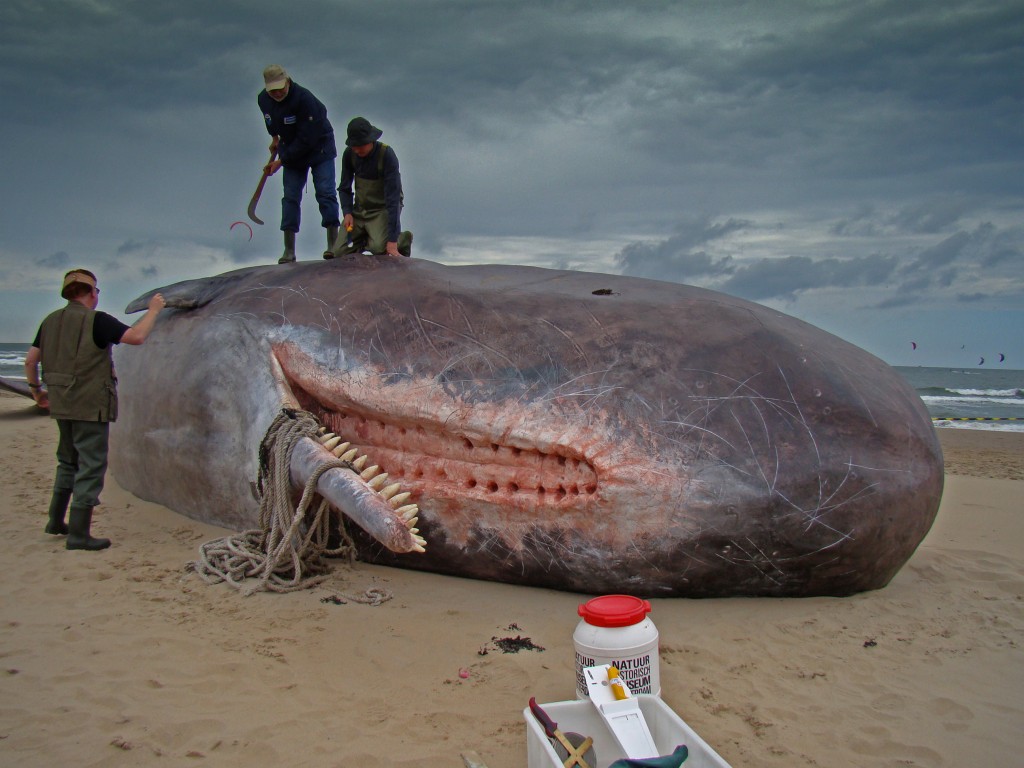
{"type": "Point", "coordinates": [288, 551]}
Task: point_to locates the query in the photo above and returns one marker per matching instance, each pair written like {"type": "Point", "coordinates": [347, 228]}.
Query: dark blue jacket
{"type": "Point", "coordinates": [307, 137]}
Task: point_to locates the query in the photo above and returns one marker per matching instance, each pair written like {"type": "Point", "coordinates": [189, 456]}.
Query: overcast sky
{"type": "Point", "coordinates": [858, 164]}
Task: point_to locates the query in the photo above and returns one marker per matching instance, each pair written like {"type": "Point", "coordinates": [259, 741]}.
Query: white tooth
{"type": "Point", "coordinates": [407, 511]}
{"type": "Point", "coordinates": [369, 472]}
{"type": "Point", "coordinates": [419, 540]}
{"type": "Point", "coordinates": [360, 463]}
{"type": "Point", "coordinates": [325, 437]}
{"type": "Point", "coordinates": [320, 430]}
{"type": "Point", "coordinates": [340, 449]}
{"type": "Point", "coordinates": [414, 531]}
{"type": "Point", "coordinates": [349, 454]}
{"type": "Point", "coordinates": [418, 548]}
{"type": "Point", "coordinates": [329, 444]}
{"type": "Point", "coordinates": [399, 499]}
{"type": "Point", "coordinates": [391, 490]}
{"type": "Point", "coordinates": [378, 481]}
{"type": "Point", "coordinates": [411, 524]}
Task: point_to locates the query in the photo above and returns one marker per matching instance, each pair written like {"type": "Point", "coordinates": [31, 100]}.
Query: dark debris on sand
{"type": "Point", "coordinates": [510, 644]}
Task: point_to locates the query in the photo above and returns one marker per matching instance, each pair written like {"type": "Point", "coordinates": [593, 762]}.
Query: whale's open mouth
{"type": "Point", "coordinates": [444, 458]}
{"type": "Point", "coordinates": [427, 458]}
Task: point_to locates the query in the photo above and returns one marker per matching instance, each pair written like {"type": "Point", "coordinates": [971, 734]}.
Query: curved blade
{"type": "Point", "coordinates": [259, 191]}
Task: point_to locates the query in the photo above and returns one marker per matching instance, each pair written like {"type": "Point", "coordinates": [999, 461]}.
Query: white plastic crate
{"type": "Point", "coordinates": [667, 729]}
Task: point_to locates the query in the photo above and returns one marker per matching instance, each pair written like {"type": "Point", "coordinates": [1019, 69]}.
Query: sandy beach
{"type": "Point", "coordinates": [124, 658]}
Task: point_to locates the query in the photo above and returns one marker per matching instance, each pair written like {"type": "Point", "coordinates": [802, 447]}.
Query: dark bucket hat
{"type": "Point", "coordinates": [361, 132]}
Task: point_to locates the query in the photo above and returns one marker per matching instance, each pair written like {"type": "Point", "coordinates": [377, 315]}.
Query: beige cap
{"type": "Point", "coordinates": [83, 276]}
{"type": "Point", "coordinates": [274, 77]}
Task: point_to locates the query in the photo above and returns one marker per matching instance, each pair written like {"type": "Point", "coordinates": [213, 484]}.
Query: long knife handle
{"type": "Point", "coordinates": [259, 191]}
{"type": "Point", "coordinates": [550, 726]}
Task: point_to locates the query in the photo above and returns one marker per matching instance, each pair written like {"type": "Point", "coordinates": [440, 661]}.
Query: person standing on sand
{"type": "Point", "coordinates": [74, 345]}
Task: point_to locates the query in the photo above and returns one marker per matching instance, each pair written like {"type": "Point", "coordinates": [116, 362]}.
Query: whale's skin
{"type": "Point", "coordinates": [562, 429]}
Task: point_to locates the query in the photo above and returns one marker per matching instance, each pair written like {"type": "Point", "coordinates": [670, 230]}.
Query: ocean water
{"type": "Point", "coordinates": [971, 398]}
{"type": "Point", "coordinates": [12, 361]}
{"type": "Point", "coordinates": [963, 398]}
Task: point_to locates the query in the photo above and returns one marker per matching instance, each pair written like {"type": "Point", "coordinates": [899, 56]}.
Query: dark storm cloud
{"type": "Point", "coordinates": [787, 277]}
{"type": "Point", "coordinates": [133, 247]}
{"type": "Point", "coordinates": [699, 253]}
{"type": "Point", "coordinates": [943, 253]}
{"type": "Point", "coordinates": [932, 215]}
{"type": "Point", "coordinates": [676, 259]}
{"type": "Point", "coordinates": [734, 105]}
{"type": "Point", "coordinates": [57, 260]}
{"type": "Point", "coordinates": [836, 146]}
{"type": "Point", "coordinates": [982, 251]}
{"type": "Point", "coordinates": [968, 298]}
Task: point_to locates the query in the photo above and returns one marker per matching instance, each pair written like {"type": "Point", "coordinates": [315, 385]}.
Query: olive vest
{"type": "Point", "coordinates": [369, 193]}
{"type": "Point", "coordinates": [79, 375]}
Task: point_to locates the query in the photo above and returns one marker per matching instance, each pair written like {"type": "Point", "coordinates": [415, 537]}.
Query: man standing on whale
{"type": "Point", "coordinates": [303, 140]}
{"type": "Point", "coordinates": [74, 345]}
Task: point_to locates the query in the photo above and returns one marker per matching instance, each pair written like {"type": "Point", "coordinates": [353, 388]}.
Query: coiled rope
{"type": "Point", "coordinates": [283, 554]}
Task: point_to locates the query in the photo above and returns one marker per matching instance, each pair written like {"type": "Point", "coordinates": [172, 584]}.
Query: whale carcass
{"type": "Point", "coordinates": [564, 429]}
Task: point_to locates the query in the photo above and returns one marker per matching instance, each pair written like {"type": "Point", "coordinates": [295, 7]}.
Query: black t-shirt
{"type": "Point", "coordinates": [106, 330]}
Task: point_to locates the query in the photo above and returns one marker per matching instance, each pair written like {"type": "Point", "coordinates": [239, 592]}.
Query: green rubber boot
{"type": "Point", "coordinates": [332, 239]}
{"type": "Point", "coordinates": [405, 243]}
{"type": "Point", "coordinates": [78, 530]}
{"type": "Point", "coordinates": [289, 249]}
{"type": "Point", "coordinates": [58, 508]}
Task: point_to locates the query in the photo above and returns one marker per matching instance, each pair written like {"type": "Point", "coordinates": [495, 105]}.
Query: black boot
{"type": "Point", "coordinates": [58, 508]}
{"type": "Point", "coordinates": [332, 239]}
{"type": "Point", "coordinates": [405, 243]}
{"type": "Point", "coordinates": [289, 249]}
{"type": "Point", "coordinates": [78, 530]}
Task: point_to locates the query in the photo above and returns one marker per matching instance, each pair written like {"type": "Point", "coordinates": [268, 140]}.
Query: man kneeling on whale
{"type": "Point", "coordinates": [373, 213]}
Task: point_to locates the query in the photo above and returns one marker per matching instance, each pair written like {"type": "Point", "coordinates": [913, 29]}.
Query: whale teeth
{"type": "Point", "coordinates": [399, 500]}
{"type": "Point", "coordinates": [321, 429]}
{"type": "Point", "coordinates": [369, 472]}
{"type": "Point", "coordinates": [388, 491]}
{"type": "Point", "coordinates": [330, 442]}
{"type": "Point", "coordinates": [378, 482]}
{"type": "Point", "coordinates": [349, 454]}
{"type": "Point", "coordinates": [340, 449]}
{"type": "Point", "coordinates": [421, 543]}
{"type": "Point", "coordinates": [411, 524]}
{"type": "Point", "coordinates": [407, 512]}
{"type": "Point", "coordinates": [325, 437]}
{"type": "Point", "coordinates": [360, 462]}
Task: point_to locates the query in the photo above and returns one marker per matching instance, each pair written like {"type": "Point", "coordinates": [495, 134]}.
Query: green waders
{"type": "Point", "coordinates": [81, 467]}
{"type": "Point", "coordinates": [370, 222]}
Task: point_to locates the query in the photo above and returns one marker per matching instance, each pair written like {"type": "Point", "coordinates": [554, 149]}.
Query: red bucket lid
{"type": "Point", "coordinates": [614, 611]}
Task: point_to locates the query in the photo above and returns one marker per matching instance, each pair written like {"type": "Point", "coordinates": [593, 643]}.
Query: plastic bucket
{"type": "Point", "coordinates": [615, 629]}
